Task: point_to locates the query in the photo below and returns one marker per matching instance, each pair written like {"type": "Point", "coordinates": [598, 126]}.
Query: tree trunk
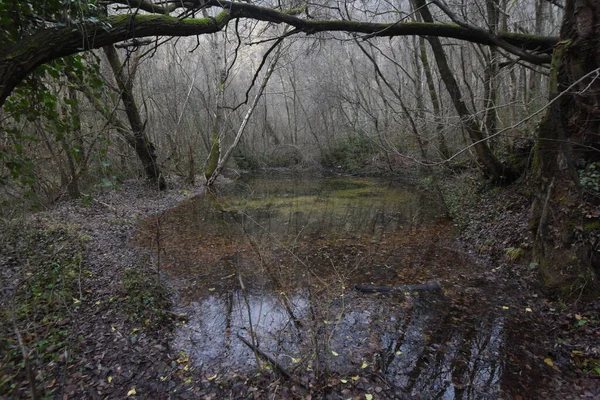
{"type": "Point", "coordinates": [569, 136]}
{"type": "Point", "coordinates": [437, 112]}
{"type": "Point", "coordinates": [491, 73]}
{"type": "Point", "coordinates": [492, 167]}
{"type": "Point", "coordinates": [143, 146]}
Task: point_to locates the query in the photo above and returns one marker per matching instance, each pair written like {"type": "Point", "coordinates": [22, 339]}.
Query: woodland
{"type": "Point", "coordinates": [114, 112]}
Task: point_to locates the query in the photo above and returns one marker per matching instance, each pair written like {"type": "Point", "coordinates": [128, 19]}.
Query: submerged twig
{"type": "Point", "coordinates": [276, 366]}
{"type": "Point", "coordinates": [432, 287]}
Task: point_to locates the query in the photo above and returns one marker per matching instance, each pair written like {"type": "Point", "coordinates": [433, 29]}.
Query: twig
{"type": "Point", "coordinates": [278, 367]}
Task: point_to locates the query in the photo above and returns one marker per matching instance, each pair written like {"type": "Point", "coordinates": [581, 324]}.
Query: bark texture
{"type": "Point", "coordinates": [140, 141]}
{"type": "Point", "coordinates": [569, 139]}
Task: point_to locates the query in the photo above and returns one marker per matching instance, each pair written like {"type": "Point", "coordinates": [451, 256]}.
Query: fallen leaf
{"type": "Point", "coordinates": [364, 365]}
{"type": "Point", "coordinates": [109, 379]}
{"type": "Point", "coordinates": [528, 309]}
{"type": "Point", "coordinates": [505, 307]}
{"type": "Point", "coordinates": [131, 392]}
{"type": "Point", "coordinates": [344, 380]}
{"type": "Point", "coordinates": [549, 361]}
{"type": "Point", "coordinates": [334, 353]}
{"type": "Point", "coordinates": [76, 301]}
{"type": "Point", "coordinates": [212, 378]}
{"type": "Point", "coordinates": [368, 396]}
{"type": "Point", "coordinates": [355, 378]}
{"type": "Point", "coordinates": [398, 353]}
{"type": "Point", "coordinates": [212, 289]}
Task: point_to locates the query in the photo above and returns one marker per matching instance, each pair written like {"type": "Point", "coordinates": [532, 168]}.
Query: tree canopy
{"type": "Point", "coordinates": [41, 32]}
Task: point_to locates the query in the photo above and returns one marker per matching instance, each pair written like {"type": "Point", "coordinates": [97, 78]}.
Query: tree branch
{"type": "Point", "coordinates": [21, 58]}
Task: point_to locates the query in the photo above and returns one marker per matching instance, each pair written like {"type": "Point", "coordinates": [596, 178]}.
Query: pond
{"type": "Point", "coordinates": [267, 268]}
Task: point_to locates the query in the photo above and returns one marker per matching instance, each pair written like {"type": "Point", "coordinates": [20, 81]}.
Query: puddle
{"type": "Point", "coordinates": [275, 260]}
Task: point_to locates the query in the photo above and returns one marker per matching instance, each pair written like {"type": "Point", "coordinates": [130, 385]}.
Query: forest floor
{"type": "Point", "coordinates": [101, 327]}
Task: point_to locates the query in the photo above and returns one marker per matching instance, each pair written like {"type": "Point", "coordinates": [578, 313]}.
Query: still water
{"type": "Point", "coordinates": [272, 261]}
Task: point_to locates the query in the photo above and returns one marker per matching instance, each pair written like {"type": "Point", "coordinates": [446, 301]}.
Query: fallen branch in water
{"type": "Point", "coordinates": [278, 367]}
{"type": "Point", "coordinates": [431, 287]}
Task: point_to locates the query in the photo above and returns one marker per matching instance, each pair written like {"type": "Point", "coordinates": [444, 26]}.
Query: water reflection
{"type": "Point", "coordinates": [297, 247]}
{"type": "Point", "coordinates": [411, 342]}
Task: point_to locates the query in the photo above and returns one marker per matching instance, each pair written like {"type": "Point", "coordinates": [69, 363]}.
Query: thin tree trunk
{"type": "Point", "coordinates": [143, 146]}
{"type": "Point", "coordinates": [435, 103]}
{"type": "Point", "coordinates": [223, 161]}
{"type": "Point", "coordinates": [491, 73]}
{"type": "Point", "coordinates": [218, 132]}
{"type": "Point", "coordinates": [492, 167]}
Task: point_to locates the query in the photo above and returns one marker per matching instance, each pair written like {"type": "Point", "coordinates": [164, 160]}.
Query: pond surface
{"type": "Point", "coordinates": [271, 263]}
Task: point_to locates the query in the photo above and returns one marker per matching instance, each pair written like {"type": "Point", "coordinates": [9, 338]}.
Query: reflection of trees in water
{"type": "Point", "coordinates": [296, 311]}
{"type": "Point", "coordinates": [421, 349]}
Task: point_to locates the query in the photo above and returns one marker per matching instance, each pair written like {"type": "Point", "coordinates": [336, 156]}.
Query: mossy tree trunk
{"type": "Point", "coordinates": [142, 145]}
{"type": "Point", "coordinates": [569, 137]}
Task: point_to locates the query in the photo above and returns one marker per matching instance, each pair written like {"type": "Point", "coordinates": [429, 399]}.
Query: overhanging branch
{"type": "Point", "coordinates": [20, 59]}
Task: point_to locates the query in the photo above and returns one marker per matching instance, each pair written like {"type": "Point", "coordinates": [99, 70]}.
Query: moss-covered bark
{"type": "Point", "coordinates": [569, 138]}
{"type": "Point", "coordinates": [213, 157]}
{"type": "Point", "coordinates": [141, 143]}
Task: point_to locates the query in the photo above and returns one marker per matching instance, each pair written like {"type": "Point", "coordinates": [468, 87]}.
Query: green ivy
{"type": "Point", "coordinates": [589, 178]}
{"type": "Point", "coordinates": [42, 97]}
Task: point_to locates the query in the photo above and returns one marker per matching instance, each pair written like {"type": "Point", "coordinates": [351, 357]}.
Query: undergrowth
{"type": "Point", "coordinates": [147, 298]}
{"type": "Point", "coordinates": [46, 284]}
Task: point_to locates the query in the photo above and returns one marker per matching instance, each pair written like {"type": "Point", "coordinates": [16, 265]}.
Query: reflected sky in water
{"type": "Point", "coordinates": [298, 246]}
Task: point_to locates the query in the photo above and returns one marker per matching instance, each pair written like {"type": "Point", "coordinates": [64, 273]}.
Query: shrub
{"type": "Point", "coordinates": [350, 153]}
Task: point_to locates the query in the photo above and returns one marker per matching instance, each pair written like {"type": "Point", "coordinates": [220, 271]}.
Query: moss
{"type": "Point", "coordinates": [512, 254]}
{"type": "Point", "coordinates": [564, 276]}
{"type": "Point", "coordinates": [591, 226]}
{"type": "Point", "coordinates": [219, 20]}
{"type": "Point", "coordinates": [297, 10]}
{"type": "Point", "coordinates": [557, 57]}
{"type": "Point", "coordinates": [213, 158]}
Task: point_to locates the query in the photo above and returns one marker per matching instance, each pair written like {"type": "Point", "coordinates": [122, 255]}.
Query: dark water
{"type": "Point", "coordinates": [275, 261]}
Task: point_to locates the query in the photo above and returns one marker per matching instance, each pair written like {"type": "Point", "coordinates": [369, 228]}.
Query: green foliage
{"type": "Point", "coordinates": [148, 299]}
{"type": "Point", "coordinates": [42, 105]}
{"type": "Point", "coordinates": [349, 154]}
{"type": "Point", "coordinates": [589, 178]}
{"type": "Point", "coordinates": [47, 263]}
{"type": "Point", "coordinates": [23, 17]}
{"type": "Point", "coordinates": [512, 254]}
{"type": "Point", "coordinates": [245, 158]}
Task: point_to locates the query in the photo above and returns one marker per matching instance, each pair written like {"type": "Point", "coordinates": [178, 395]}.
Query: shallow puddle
{"type": "Point", "coordinates": [271, 264]}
